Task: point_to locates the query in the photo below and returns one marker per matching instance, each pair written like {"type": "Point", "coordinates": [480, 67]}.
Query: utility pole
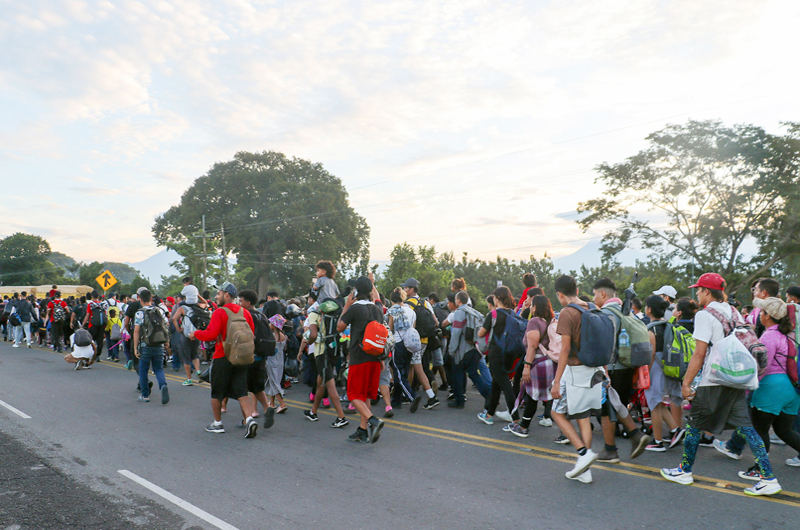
{"type": "Point", "coordinates": [224, 251]}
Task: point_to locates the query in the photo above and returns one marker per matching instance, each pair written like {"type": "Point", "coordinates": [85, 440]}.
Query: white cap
{"type": "Point", "coordinates": [191, 293]}
{"type": "Point", "coordinates": [667, 290]}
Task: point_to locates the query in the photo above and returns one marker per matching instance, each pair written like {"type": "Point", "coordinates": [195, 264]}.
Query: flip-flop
{"type": "Point", "coordinates": [280, 410]}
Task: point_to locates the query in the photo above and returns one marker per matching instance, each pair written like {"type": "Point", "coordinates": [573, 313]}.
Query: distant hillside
{"type": "Point", "coordinates": [590, 255]}
{"type": "Point", "coordinates": [158, 265]}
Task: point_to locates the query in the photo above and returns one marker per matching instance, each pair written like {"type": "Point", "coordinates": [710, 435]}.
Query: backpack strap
{"type": "Point", "coordinates": [727, 323]}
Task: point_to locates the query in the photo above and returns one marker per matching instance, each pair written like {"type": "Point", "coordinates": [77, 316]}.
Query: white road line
{"type": "Point", "coordinates": [15, 411]}
{"type": "Point", "coordinates": [191, 508]}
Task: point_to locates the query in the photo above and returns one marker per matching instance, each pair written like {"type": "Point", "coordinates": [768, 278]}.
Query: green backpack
{"type": "Point", "coordinates": [679, 345]}
{"type": "Point", "coordinates": [640, 352]}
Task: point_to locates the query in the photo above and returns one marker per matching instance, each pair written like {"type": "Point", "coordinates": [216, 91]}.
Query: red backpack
{"type": "Point", "coordinates": [374, 342]}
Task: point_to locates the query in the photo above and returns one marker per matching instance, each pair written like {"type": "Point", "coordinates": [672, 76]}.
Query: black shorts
{"type": "Point", "coordinates": [227, 380]}
{"type": "Point", "coordinates": [188, 350]}
{"type": "Point", "coordinates": [257, 376]}
{"type": "Point", "coordinates": [622, 382]}
{"type": "Point", "coordinates": [325, 366]}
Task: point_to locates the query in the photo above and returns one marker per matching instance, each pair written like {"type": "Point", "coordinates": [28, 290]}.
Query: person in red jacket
{"type": "Point", "coordinates": [227, 380]}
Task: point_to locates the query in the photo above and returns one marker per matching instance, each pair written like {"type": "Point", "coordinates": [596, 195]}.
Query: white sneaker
{"type": "Point", "coordinates": [546, 422]}
{"type": "Point", "coordinates": [794, 462]}
{"type": "Point", "coordinates": [16, 345]}
{"type": "Point", "coordinates": [585, 477]}
{"type": "Point", "coordinates": [503, 415]}
{"type": "Point", "coordinates": [773, 439]}
{"type": "Point", "coordinates": [584, 462]}
{"type": "Point", "coordinates": [764, 487]}
{"type": "Point", "coordinates": [677, 475]}
{"type": "Point", "coordinates": [722, 447]}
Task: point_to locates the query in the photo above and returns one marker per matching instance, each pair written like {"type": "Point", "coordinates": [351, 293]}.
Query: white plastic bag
{"type": "Point", "coordinates": [729, 363]}
{"type": "Point", "coordinates": [411, 340]}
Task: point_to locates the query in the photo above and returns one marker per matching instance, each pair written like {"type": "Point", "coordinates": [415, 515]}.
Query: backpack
{"type": "Point", "coordinates": [264, 339]}
{"type": "Point", "coordinates": [239, 344]}
{"type": "Point", "coordinates": [330, 310]}
{"type": "Point", "coordinates": [59, 312]}
{"type": "Point", "coordinates": [200, 317]}
{"type": "Point", "coordinates": [99, 317]}
{"type": "Point", "coordinates": [639, 352]}
{"type": "Point", "coordinates": [116, 331]}
{"type": "Point", "coordinates": [745, 334]}
{"type": "Point", "coordinates": [426, 322]}
{"type": "Point", "coordinates": [553, 350]}
{"type": "Point", "coordinates": [510, 341]}
{"type": "Point", "coordinates": [375, 337]}
{"type": "Point", "coordinates": [82, 337]}
{"type": "Point", "coordinates": [411, 340]}
{"type": "Point", "coordinates": [80, 312]}
{"type": "Point", "coordinates": [473, 322]}
{"type": "Point", "coordinates": [597, 336]}
{"type": "Point", "coordinates": [679, 345]}
{"type": "Point", "coordinates": [154, 327]}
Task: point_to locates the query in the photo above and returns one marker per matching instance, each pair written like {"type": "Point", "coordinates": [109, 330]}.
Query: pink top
{"type": "Point", "coordinates": [777, 350]}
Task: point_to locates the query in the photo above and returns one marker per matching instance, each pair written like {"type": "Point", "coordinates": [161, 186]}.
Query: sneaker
{"type": "Point", "coordinates": [310, 415]}
{"type": "Point", "coordinates": [765, 487]}
{"type": "Point", "coordinates": [583, 463]}
{"type": "Point", "coordinates": [773, 439]}
{"type": "Point", "coordinates": [656, 447]}
{"type": "Point", "coordinates": [311, 397]}
{"type": "Point", "coordinates": [503, 415]}
{"type": "Point", "coordinates": [188, 382]}
{"type": "Point", "coordinates": [29, 345]}
{"type": "Point", "coordinates": [129, 365]}
{"type": "Point", "coordinates": [561, 439]}
{"type": "Point", "coordinates": [443, 387]}
{"type": "Point", "coordinates": [608, 457]}
{"type": "Point", "coordinates": [15, 345]}
{"type": "Point", "coordinates": [269, 417]}
{"type": "Point", "coordinates": [546, 422]}
{"type": "Point", "coordinates": [251, 428]}
{"type": "Point", "coordinates": [706, 441]}
{"type": "Point", "coordinates": [326, 403]}
{"type": "Point", "coordinates": [432, 402]}
{"type": "Point", "coordinates": [389, 412]}
{"type": "Point", "coordinates": [144, 399]}
{"type": "Point", "coordinates": [722, 447]}
{"type": "Point", "coordinates": [415, 404]}
{"type": "Point", "coordinates": [507, 428]}
{"type": "Point", "coordinates": [359, 436]}
{"type": "Point", "coordinates": [108, 358]}
{"type": "Point", "coordinates": [454, 405]}
{"type": "Point", "coordinates": [794, 462]}
{"type": "Point", "coordinates": [451, 396]}
{"type": "Point", "coordinates": [79, 364]}
{"type": "Point", "coordinates": [374, 426]}
{"type": "Point", "coordinates": [754, 473]}
{"type": "Point", "coordinates": [518, 430]}
{"type": "Point", "coordinates": [585, 477]}
{"type": "Point", "coordinates": [216, 428]}
{"type": "Point", "coordinates": [350, 409]}
{"type": "Point", "coordinates": [164, 395]}
{"type": "Point", "coordinates": [677, 438]}
{"type": "Point", "coordinates": [488, 420]}
{"type": "Point", "coordinates": [339, 422]}
{"type": "Point", "coordinates": [639, 442]}
{"type": "Point", "coordinates": [677, 475]}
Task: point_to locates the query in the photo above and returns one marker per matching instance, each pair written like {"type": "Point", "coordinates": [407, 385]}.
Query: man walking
{"type": "Point", "coordinates": [150, 338]}
{"type": "Point", "coordinates": [57, 313]}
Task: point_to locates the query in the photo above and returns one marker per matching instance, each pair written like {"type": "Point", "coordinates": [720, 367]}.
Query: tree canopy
{"type": "Point", "coordinates": [24, 261]}
{"type": "Point", "coordinates": [710, 191]}
{"type": "Point", "coordinates": [280, 214]}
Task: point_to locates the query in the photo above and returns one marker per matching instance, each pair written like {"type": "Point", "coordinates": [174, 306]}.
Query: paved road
{"type": "Point", "coordinates": [434, 469]}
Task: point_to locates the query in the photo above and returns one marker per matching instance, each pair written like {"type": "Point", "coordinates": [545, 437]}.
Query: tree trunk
{"type": "Point", "coordinates": [263, 285]}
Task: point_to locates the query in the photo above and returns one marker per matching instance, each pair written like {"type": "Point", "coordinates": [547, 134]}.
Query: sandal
{"type": "Point", "coordinates": [281, 410]}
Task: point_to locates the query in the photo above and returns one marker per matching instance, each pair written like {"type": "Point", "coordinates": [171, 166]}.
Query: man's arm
{"type": "Point", "coordinates": [343, 319]}
{"type": "Point", "coordinates": [562, 365]}
{"type": "Point", "coordinates": [695, 365]}
{"type": "Point", "coordinates": [214, 328]}
{"type": "Point", "coordinates": [177, 320]}
{"type": "Point", "coordinates": [136, 340]}
{"type": "Point", "coordinates": [459, 323]}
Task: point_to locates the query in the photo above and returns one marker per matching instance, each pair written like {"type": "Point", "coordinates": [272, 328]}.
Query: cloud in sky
{"type": "Point", "coordinates": [496, 112]}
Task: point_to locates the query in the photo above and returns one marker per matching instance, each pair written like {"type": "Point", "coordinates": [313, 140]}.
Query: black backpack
{"type": "Point", "coordinates": [264, 338]}
{"type": "Point", "coordinates": [200, 316]}
{"type": "Point", "coordinates": [99, 316]}
{"type": "Point", "coordinates": [426, 322]}
{"type": "Point", "coordinates": [155, 331]}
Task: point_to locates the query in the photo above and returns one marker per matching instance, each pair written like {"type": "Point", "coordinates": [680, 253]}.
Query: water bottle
{"type": "Point", "coordinates": [624, 339]}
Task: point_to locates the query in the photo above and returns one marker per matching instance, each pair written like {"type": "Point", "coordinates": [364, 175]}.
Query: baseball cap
{"type": "Point", "coordinates": [774, 307]}
{"type": "Point", "coordinates": [411, 282]}
{"type": "Point", "coordinates": [140, 289]}
{"type": "Point", "coordinates": [229, 288]}
{"type": "Point", "coordinates": [363, 285]}
{"type": "Point", "coordinates": [710, 280]}
{"type": "Point", "coordinates": [667, 290]}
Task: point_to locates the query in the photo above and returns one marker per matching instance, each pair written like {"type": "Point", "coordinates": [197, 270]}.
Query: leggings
{"type": "Point", "coordinates": [500, 384]}
{"type": "Point", "coordinates": [749, 434]}
{"type": "Point", "coordinates": [762, 421]}
{"type": "Point", "coordinates": [530, 409]}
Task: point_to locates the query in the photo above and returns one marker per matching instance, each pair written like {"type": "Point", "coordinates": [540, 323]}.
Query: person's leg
{"type": "Point", "coordinates": [478, 372]}
{"type": "Point", "coordinates": [657, 422]}
{"type": "Point", "coordinates": [420, 375]}
{"type": "Point", "coordinates": [158, 367]}
{"type": "Point", "coordinates": [762, 422]}
{"type": "Point", "coordinates": [384, 392]}
{"type": "Point", "coordinates": [401, 361]}
{"type": "Point", "coordinates": [334, 397]}
{"type": "Point", "coordinates": [457, 381]}
{"type": "Point", "coordinates": [759, 451]}
{"type": "Point", "coordinates": [783, 429]}
{"type": "Point", "coordinates": [144, 368]}
{"type": "Point", "coordinates": [528, 412]}
{"type": "Point", "coordinates": [690, 444]}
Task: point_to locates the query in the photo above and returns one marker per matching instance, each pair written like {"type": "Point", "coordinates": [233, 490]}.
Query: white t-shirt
{"type": "Point", "coordinates": [81, 352]}
{"type": "Point", "coordinates": [709, 330]}
{"type": "Point", "coordinates": [408, 313]}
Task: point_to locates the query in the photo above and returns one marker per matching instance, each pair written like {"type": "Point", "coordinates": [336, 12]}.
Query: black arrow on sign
{"type": "Point", "coordinates": [106, 280]}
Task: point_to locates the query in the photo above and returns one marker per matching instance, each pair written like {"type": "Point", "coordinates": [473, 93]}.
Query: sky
{"type": "Point", "coordinates": [473, 126]}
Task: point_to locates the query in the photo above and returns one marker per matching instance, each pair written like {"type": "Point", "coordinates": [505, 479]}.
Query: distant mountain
{"type": "Point", "coordinates": [158, 265]}
{"type": "Point", "coordinates": [590, 255]}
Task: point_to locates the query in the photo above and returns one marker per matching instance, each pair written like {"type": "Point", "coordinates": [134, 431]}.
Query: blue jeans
{"type": "Point", "coordinates": [151, 355]}
{"type": "Point", "coordinates": [401, 361]}
{"type": "Point", "coordinates": [475, 367]}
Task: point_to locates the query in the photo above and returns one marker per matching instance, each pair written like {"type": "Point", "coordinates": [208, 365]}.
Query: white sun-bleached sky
{"type": "Point", "coordinates": [483, 119]}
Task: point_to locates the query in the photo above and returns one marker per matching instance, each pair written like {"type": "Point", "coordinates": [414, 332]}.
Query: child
{"type": "Point", "coordinates": [275, 364]}
{"type": "Point", "coordinates": [114, 330]}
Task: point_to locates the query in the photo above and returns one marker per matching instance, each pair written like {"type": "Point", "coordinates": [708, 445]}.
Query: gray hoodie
{"type": "Point", "coordinates": [458, 343]}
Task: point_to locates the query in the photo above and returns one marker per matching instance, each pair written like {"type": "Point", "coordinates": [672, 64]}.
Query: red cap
{"type": "Point", "coordinates": [710, 280]}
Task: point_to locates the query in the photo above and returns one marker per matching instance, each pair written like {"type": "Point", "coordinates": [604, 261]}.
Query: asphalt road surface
{"type": "Point", "coordinates": [79, 451]}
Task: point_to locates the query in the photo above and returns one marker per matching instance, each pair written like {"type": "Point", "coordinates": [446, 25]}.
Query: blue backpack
{"type": "Point", "coordinates": [510, 342]}
{"type": "Point", "coordinates": [597, 336]}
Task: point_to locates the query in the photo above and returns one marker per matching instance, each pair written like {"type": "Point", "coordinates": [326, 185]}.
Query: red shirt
{"type": "Point", "coordinates": [218, 328]}
{"type": "Point", "coordinates": [89, 310]}
{"type": "Point", "coordinates": [51, 307]}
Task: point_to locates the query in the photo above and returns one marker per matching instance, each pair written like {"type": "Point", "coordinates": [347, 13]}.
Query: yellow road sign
{"type": "Point", "coordinates": [106, 280]}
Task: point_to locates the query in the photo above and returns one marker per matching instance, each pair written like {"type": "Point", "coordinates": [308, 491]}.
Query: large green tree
{"type": "Point", "coordinates": [702, 193]}
{"type": "Point", "coordinates": [280, 214]}
{"type": "Point", "coordinates": [24, 261]}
